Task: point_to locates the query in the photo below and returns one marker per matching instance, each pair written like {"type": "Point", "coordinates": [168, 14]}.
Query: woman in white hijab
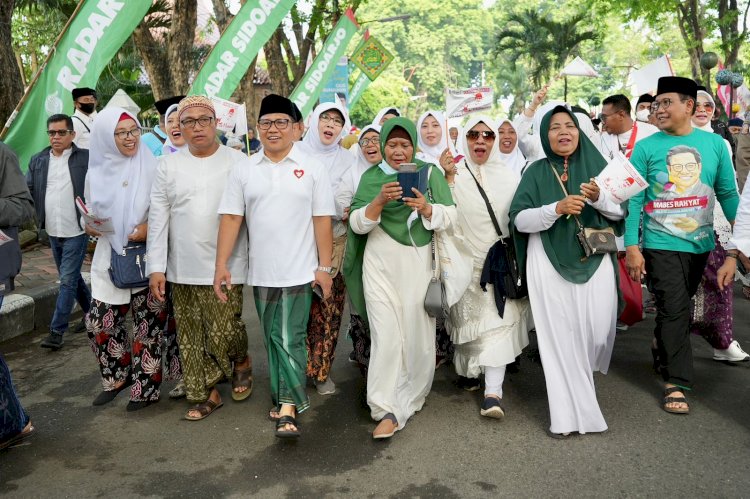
{"type": "Point", "coordinates": [432, 137]}
{"type": "Point", "coordinates": [328, 125]}
{"type": "Point", "coordinates": [486, 339]}
{"type": "Point", "coordinates": [510, 153]}
{"type": "Point", "coordinates": [368, 155]}
{"type": "Point", "coordinates": [385, 114]}
{"type": "Point", "coordinates": [175, 141]}
{"type": "Point", "coordinates": [118, 187]}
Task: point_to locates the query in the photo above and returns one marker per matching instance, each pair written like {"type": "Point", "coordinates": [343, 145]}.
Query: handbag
{"type": "Point", "coordinates": [435, 300]}
{"type": "Point", "coordinates": [128, 268]}
{"type": "Point", "coordinates": [593, 241]}
{"type": "Point", "coordinates": [501, 259]}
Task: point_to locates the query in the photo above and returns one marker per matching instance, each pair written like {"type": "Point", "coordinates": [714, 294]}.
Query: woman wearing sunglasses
{"type": "Point", "coordinates": [486, 340]}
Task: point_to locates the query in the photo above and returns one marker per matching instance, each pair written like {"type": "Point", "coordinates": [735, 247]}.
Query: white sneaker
{"type": "Point", "coordinates": [621, 326]}
{"type": "Point", "coordinates": [734, 353]}
{"type": "Point", "coordinates": [327, 387]}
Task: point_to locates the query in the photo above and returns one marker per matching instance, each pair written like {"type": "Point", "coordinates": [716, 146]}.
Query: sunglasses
{"type": "Point", "coordinates": [486, 134]}
{"type": "Point", "coordinates": [59, 133]}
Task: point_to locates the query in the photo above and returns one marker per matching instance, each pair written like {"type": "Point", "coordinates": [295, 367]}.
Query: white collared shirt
{"type": "Point", "coordinates": [60, 214]}
{"type": "Point", "coordinates": [183, 221]}
{"type": "Point", "coordinates": [81, 122]}
{"type": "Point", "coordinates": [279, 201]}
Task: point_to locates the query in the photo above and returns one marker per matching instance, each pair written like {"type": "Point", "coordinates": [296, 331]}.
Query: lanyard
{"type": "Point", "coordinates": [631, 142]}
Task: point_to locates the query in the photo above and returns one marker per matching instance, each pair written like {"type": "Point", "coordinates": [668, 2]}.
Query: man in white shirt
{"type": "Point", "coordinates": [84, 102]}
{"type": "Point", "coordinates": [56, 176]}
{"type": "Point", "coordinates": [622, 131]}
{"type": "Point", "coordinates": [182, 231]}
{"type": "Point", "coordinates": [286, 199]}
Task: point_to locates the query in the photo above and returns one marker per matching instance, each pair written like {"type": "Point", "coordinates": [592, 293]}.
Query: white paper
{"type": "Point", "coordinates": [620, 179]}
{"type": "Point", "coordinates": [102, 225]}
{"type": "Point", "coordinates": [468, 100]}
{"type": "Point", "coordinates": [4, 238]}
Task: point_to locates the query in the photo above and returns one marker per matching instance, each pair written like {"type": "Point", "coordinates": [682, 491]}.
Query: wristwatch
{"type": "Point", "coordinates": [324, 269]}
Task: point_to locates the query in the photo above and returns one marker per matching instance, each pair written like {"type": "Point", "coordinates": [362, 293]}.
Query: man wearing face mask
{"type": "Point", "coordinates": [643, 108]}
{"type": "Point", "coordinates": [84, 101]}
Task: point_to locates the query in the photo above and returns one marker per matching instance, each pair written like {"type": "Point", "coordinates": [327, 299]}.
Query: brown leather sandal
{"type": "Point", "coordinates": [242, 378]}
{"type": "Point", "coordinates": [674, 400]}
{"type": "Point", "coordinates": [205, 409]}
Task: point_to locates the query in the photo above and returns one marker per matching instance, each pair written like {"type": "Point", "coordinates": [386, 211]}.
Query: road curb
{"type": "Point", "coordinates": [25, 312]}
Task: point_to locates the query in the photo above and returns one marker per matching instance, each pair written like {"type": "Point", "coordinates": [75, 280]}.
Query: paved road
{"type": "Point", "coordinates": [447, 450]}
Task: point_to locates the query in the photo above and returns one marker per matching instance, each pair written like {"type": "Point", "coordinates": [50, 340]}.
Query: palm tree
{"type": "Point", "coordinates": [541, 42]}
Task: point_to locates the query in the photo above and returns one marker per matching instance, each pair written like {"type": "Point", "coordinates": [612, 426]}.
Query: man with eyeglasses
{"type": "Point", "coordinates": [687, 170]}
{"type": "Point", "coordinates": [622, 132]}
{"type": "Point", "coordinates": [55, 179]}
{"type": "Point", "coordinates": [183, 224]}
{"type": "Point", "coordinates": [84, 102]}
{"type": "Point", "coordinates": [286, 199]}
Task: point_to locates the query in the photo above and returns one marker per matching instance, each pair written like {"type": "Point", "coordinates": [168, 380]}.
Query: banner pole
{"type": "Point", "coordinates": [52, 51]}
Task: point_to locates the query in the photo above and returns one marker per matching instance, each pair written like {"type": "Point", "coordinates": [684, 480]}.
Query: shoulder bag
{"type": "Point", "coordinates": [593, 241]}
{"type": "Point", "coordinates": [128, 268]}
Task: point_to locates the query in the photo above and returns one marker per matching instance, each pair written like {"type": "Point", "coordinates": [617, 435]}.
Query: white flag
{"type": "Point", "coordinates": [579, 67]}
{"type": "Point", "coordinates": [230, 115]}
{"type": "Point", "coordinates": [646, 79]}
{"type": "Point", "coordinates": [460, 102]}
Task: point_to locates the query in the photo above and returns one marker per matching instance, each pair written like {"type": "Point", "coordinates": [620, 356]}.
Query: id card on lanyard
{"type": "Point", "coordinates": [631, 143]}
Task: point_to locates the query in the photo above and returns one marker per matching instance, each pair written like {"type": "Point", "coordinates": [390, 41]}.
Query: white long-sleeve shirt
{"type": "Point", "coordinates": [183, 222]}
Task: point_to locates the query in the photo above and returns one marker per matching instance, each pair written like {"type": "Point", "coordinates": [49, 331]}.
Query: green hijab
{"type": "Point", "coordinates": [540, 187]}
{"type": "Point", "coordinates": [394, 215]}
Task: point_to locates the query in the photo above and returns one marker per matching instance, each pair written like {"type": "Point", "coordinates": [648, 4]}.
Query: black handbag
{"type": "Point", "coordinates": [128, 268]}
{"type": "Point", "coordinates": [592, 241]}
{"type": "Point", "coordinates": [501, 267]}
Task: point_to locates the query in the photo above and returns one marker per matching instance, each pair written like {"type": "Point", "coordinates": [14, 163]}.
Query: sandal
{"type": "Point", "coordinates": [274, 414]}
{"type": "Point", "coordinates": [385, 430]}
{"type": "Point", "coordinates": [559, 436]}
{"type": "Point", "coordinates": [18, 437]}
{"type": "Point", "coordinates": [672, 400]}
{"type": "Point", "coordinates": [242, 378]}
{"type": "Point", "coordinates": [282, 422]}
{"type": "Point", "coordinates": [205, 409]}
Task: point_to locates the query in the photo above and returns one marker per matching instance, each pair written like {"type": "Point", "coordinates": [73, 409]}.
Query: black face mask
{"type": "Point", "coordinates": [87, 108]}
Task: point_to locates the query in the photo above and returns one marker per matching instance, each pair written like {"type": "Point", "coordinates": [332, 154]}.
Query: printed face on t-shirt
{"type": "Point", "coordinates": [684, 171]}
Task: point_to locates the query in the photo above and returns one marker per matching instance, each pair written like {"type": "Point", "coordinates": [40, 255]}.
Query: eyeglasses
{"type": "Point", "coordinates": [486, 134]}
{"type": "Point", "coordinates": [689, 167]}
{"type": "Point", "coordinates": [705, 105]}
{"type": "Point", "coordinates": [367, 142]}
{"type": "Point", "coordinates": [327, 118]}
{"type": "Point", "coordinates": [280, 124]}
{"type": "Point", "coordinates": [664, 104]}
{"type": "Point", "coordinates": [135, 132]}
{"type": "Point", "coordinates": [59, 133]}
{"type": "Point", "coordinates": [202, 121]}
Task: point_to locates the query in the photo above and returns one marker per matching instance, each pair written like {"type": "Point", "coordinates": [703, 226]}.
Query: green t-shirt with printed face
{"type": "Point", "coordinates": [686, 175]}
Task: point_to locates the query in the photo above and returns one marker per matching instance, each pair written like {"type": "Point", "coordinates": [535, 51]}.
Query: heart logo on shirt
{"type": "Point", "coordinates": [299, 173]}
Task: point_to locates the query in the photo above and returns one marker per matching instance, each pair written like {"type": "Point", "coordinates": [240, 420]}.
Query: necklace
{"type": "Point", "coordinates": [564, 176]}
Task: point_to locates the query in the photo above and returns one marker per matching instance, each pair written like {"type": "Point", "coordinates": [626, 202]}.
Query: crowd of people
{"type": "Point", "coordinates": [317, 216]}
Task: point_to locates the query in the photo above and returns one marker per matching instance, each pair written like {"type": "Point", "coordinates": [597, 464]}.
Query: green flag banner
{"type": "Point", "coordinates": [94, 35]}
{"type": "Point", "coordinates": [227, 63]}
{"type": "Point", "coordinates": [358, 88]}
{"type": "Point", "coordinates": [372, 58]}
{"type": "Point", "coordinates": [309, 88]}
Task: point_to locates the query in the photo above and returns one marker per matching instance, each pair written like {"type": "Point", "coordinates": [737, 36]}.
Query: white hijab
{"type": "Point", "coordinates": [168, 147]}
{"type": "Point", "coordinates": [707, 127]}
{"type": "Point", "coordinates": [498, 180]}
{"type": "Point", "coordinates": [120, 186]}
{"type": "Point", "coordinates": [431, 154]}
{"type": "Point", "coordinates": [335, 158]}
{"type": "Point", "coordinates": [514, 159]}
{"type": "Point", "coordinates": [383, 112]}
{"type": "Point", "coordinates": [362, 163]}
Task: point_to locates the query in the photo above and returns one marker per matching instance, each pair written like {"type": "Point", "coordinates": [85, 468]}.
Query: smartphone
{"type": "Point", "coordinates": [409, 177]}
{"type": "Point", "coordinates": [318, 291]}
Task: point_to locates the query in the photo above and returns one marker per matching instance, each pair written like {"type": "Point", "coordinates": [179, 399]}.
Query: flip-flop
{"type": "Point", "coordinates": [205, 409]}
{"type": "Point", "coordinates": [18, 437]}
{"type": "Point", "coordinates": [274, 410]}
{"type": "Point", "coordinates": [242, 378]}
{"type": "Point", "coordinates": [282, 422]}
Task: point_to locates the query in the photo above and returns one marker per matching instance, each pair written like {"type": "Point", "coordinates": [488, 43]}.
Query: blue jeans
{"type": "Point", "coordinates": [69, 253]}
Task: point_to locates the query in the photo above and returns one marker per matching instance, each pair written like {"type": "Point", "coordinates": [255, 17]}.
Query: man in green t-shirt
{"type": "Point", "coordinates": [687, 170]}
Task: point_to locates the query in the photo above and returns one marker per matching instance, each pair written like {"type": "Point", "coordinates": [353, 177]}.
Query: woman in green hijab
{"type": "Point", "coordinates": [387, 271]}
{"type": "Point", "coordinates": [573, 300]}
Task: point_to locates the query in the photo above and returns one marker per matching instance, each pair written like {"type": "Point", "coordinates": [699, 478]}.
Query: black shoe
{"type": "Point", "coordinates": [108, 396]}
{"type": "Point", "coordinates": [54, 341]}
{"type": "Point", "coordinates": [468, 384]}
{"type": "Point", "coordinates": [81, 327]}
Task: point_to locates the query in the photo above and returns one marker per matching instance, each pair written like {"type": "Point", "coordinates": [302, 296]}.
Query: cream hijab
{"type": "Point", "coordinates": [334, 157]}
{"type": "Point", "coordinates": [707, 127]}
{"type": "Point", "coordinates": [168, 147]}
{"type": "Point", "coordinates": [120, 186]}
{"type": "Point", "coordinates": [514, 159]}
{"type": "Point", "coordinates": [383, 112]}
{"type": "Point", "coordinates": [431, 154]}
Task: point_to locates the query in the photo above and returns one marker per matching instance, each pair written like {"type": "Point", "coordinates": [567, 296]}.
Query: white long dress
{"type": "Point", "coordinates": [575, 324]}
{"type": "Point", "coordinates": [481, 337]}
{"type": "Point", "coordinates": [395, 279]}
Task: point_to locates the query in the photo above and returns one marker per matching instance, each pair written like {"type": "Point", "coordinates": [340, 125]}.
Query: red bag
{"type": "Point", "coordinates": [632, 293]}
